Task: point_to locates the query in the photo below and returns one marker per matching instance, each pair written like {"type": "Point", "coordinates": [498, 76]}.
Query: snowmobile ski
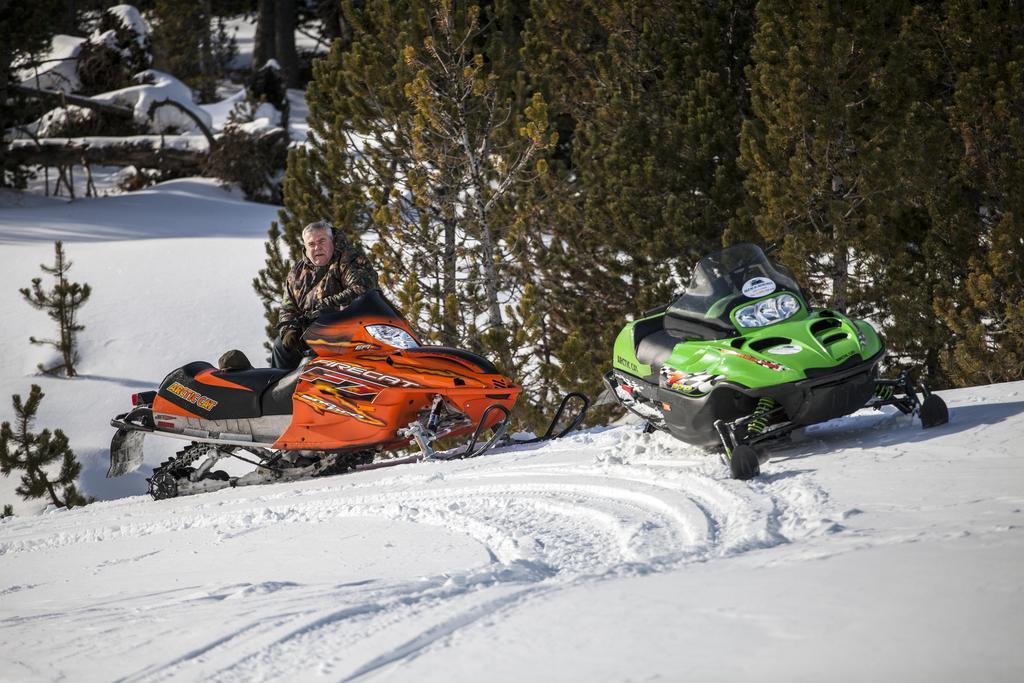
{"type": "Point", "coordinates": [191, 470]}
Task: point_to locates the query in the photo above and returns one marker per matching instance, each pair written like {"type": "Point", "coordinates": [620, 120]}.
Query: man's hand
{"type": "Point", "coordinates": [311, 317]}
{"type": "Point", "coordinates": [290, 339]}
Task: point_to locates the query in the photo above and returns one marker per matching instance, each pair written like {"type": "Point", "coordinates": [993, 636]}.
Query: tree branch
{"type": "Point", "coordinates": [188, 112]}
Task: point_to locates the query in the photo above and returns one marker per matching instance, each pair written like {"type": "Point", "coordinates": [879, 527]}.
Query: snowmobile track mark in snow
{"type": "Point", "coordinates": [545, 525]}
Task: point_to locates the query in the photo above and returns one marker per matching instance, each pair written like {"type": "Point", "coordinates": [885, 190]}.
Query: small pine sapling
{"type": "Point", "coordinates": [20, 449]}
{"type": "Point", "coordinates": [61, 303]}
{"type": "Point", "coordinates": [8, 511]}
{"type": "Point", "coordinates": [270, 282]}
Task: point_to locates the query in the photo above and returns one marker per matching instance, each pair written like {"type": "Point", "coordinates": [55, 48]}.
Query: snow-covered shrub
{"type": "Point", "coordinates": [253, 149]}
{"type": "Point", "coordinates": [255, 158]}
{"type": "Point", "coordinates": [68, 122]}
{"type": "Point", "coordinates": [131, 178]}
{"type": "Point", "coordinates": [116, 50]}
{"type": "Point", "coordinates": [266, 101]}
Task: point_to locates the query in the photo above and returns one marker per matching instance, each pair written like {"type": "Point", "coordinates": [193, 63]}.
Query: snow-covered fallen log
{"type": "Point", "coordinates": [63, 98]}
{"type": "Point", "coordinates": [186, 153]}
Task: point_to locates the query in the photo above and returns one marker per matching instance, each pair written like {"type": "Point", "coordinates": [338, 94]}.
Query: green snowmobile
{"type": "Point", "coordinates": [740, 360]}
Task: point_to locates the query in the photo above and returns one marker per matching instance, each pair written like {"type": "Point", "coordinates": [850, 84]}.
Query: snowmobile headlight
{"type": "Point", "coordinates": [788, 305]}
{"type": "Point", "coordinates": [768, 311]}
{"type": "Point", "coordinates": [746, 317]}
{"type": "Point", "coordinates": [392, 336]}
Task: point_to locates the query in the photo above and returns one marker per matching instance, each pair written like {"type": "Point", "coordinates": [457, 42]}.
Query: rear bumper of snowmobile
{"type": "Point", "coordinates": [126, 446]}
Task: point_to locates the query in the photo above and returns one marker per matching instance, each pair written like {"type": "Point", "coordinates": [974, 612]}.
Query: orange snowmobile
{"type": "Point", "coordinates": [369, 387]}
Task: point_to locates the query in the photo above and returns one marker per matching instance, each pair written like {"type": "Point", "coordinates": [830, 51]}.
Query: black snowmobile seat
{"type": "Point", "coordinates": [647, 326]}
{"type": "Point", "coordinates": [655, 338]}
{"type": "Point", "coordinates": [655, 349]}
{"type": "Point", "coordinates": [687, 328]}
{"type": "Point", "coordinates": [653, 343]}
{"type": "Point", "coordinates": [277, 399]}
{"type": "Point", "coordinates": [269, 389]}
{"type": "Point", "coordinates": [214, 394]}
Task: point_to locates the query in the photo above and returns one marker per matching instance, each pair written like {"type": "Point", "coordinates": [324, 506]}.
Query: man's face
{"type": "Point", "coordinates": [319, 246]}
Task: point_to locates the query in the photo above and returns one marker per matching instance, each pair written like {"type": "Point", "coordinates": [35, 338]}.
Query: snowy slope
{"type": "Point", "coordinates": [870, 550]}
{"type": "Point", "coordinates": [171, 270]}
{"type": "Point", "coordinates": [873, 551]}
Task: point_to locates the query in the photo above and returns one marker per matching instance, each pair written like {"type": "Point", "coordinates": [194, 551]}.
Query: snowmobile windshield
{"type": "Point", "coordinates": [723, 280]}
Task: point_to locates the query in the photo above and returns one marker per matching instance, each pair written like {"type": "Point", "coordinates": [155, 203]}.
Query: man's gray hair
{"type": "Point", "coordinates": [318, 225]}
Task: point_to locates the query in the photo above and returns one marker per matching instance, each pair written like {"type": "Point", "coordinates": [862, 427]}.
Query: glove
{"type": "Point", "coordinates": [290, 339]}
{"type": "Point", "coordinates": [311, 317]}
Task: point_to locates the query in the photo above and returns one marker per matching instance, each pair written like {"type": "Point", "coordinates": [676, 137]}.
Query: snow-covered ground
{"type": "Point", "coordinates": [171, 269]}
{"type": "Point", "coordinates": [870, 550]}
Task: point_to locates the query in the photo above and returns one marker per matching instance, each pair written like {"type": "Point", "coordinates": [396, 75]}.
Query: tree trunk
{"type": "Point", "coordinates": [329, 14]}
{"type": "Point", "coordinates": [840, 270]}
{"type": "Point", "coordinates": [206, 66]}
{"type": "Point", "coordinates": [449, 271]}
{"type": "Point", "coordinates": [287, 57]}
{"type": "Point", "coordinates": [5, 64]}
{"type": "Point", "coordinates": [265, 46]}
{"type": "Point", "coordinates": [64, 311]}
{"type": "Point", "coordinates": [53, 494]}
{"type": "Point", "coordinates": [478, 187]}
{"type": "Point", "coordinates": [66, 18]}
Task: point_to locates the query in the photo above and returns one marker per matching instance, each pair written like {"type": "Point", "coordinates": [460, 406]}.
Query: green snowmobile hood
{"type": "Point", "coordinates": [760, 357]}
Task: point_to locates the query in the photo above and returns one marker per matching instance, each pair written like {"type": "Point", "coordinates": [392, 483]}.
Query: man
{"type": "Point", "coordinates": [331, 274]}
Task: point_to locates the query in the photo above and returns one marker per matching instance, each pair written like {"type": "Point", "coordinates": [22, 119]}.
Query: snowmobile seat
{"type": "Point", "coordinates": [652, 343]}
{"type": "Point", "coordinates": [688, 328]}
{"type": "Point", "coordinates": [256, 380]}
{"type": "Point", "coordinates": [647, 326]}
{"type": "Point", "coordinates": [277, 399]}
{"type": "Point", "coordinates": [216, 394]}
{"type": "Point", "coordinates": [655, 348]}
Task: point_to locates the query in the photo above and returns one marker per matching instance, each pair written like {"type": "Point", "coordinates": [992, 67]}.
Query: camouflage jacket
{"type": "Point", "coordinates": [310, 288]}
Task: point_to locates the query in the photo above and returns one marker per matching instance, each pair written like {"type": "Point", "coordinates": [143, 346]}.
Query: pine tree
{"type": "Point", "coordinates": [941, 237]}
{"type": "Point", "coordinates": [192, 43]}
{"type": "Point", "coordinates": [8, 511]}
{"type": "Point", "coordinates": [20, 449]}
{"type": "Point", "coordinates": [811, 150]}
{"type": "Point", "coordinates": [985, 55]}
{"type": "Point", "coordinates": [365, 166]}
{"type": "Point", "coordinates": [915, 243]}
{"type": "Point", "coordinates": [455, 140]}
{"type": "Point", "coordinates": [26, 28]}
{"type": "Point", "coordinates": [269, 283]}
{"type": "Point", "coordinates": [648, 98]}
{"type": "Point", "coordinates": [61, 303]}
